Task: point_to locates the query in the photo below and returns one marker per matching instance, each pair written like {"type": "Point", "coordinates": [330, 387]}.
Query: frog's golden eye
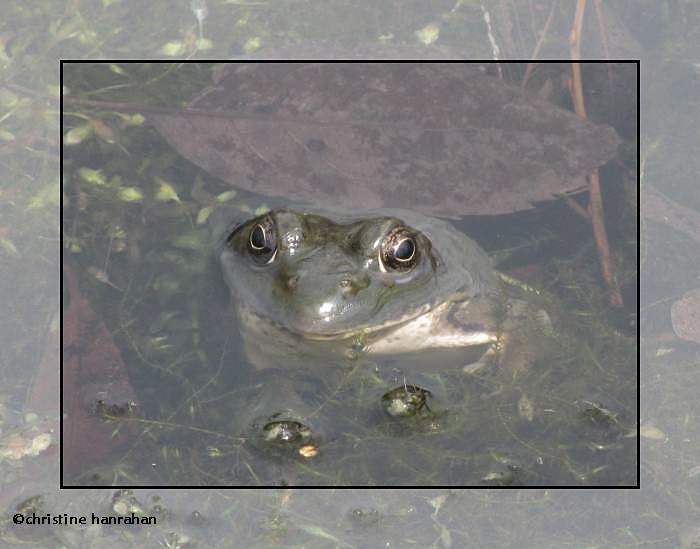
{"type": "Point", "coordinates": [399, 250]}
{"type": "Point", "coordinates": [262, 240]}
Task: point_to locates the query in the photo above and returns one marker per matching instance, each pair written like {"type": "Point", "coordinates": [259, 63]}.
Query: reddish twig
{"type": "Point", "coordinates": [538, 46]}
{"type": "Point", "coordinates": [595, 205]}
{"type": "Point", "coordinates": [577, 208]}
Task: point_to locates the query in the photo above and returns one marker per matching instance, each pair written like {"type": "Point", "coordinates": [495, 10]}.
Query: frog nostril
{"type": "Point", "coordinates": [351, 285]}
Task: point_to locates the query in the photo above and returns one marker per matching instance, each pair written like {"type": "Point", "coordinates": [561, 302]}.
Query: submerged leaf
{"type": "Point", "coordinates": [50, 195]}
{"type": "Point", "coordinates": [117, 69]}
{"type": "Point", "coordinates": [203, 215]}
{"type": "Point", "coordinates": [173, 49]}
{"type": "Point", "coordinates": [204, 44]}
{"type": "Point", "coordinates": [252, 44]}
{"type": "Point", "coordinates": [130, 194]}
{"type": "Point", "coordinates": [488, 150]}
{"type": "Point", "coordinates": [8, 246]}
{"type": "Point", "coordinates": [77, 135]}
{"type": "Point", "coordinates": [428, 34]}
{"type": "Point", "coordinates": [94, 177]}
{"type": "Point", "coordinates": [651, 432]}
{"type": "Point", "coordinates": [226, 196]}
{"type": "Point", "coordinates": [165, 191]}
{"type": "Point", "coordinates": [132, 119]}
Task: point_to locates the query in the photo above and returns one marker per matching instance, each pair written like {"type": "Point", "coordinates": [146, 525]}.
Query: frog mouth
{"type": "Point", "coordinates": [427, 328]}
{"type": "Point", "coordinates": [365, 329]}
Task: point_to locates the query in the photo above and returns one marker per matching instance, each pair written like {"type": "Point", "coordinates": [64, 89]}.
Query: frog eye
{"type": "Point", "coordinates": [262, 241]}
{"type": "Point", "coordinates": [405, 250]}
{"type": "Point", "coordinates": [399, 250]}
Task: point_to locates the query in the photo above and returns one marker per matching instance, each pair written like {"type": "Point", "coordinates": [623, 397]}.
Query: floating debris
{"type": "Point", "coordinates": [651, 431]}
{"type": "Point", "coordinates": [685, 316]}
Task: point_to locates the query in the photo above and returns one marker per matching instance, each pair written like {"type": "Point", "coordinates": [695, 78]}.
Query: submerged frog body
{"type": "Point", "coordinates": [312, 289]}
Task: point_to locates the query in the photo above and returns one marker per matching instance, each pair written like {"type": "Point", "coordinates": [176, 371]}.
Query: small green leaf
{"type": "Point", "coordinates": [173, 49]}
{"type": "Point", "coordinates": [428, 34]}
{"type": "Point", "coordinates": [652, 432]}
{"type": "Point", "coordinates": [130, 194]}
{"type": "Point", "coordinates": [72, 244]}
{"type": "Point", "coordinates": [226, 196]}
{"type": "Point", "coordinates": [252, 44]}
{"type": "Point", "coordinates": [204, 44]}
{"type": "Point", "coordinates": [437, 503]}
{"type": "Point", "coordinates": [132, 119]}
{"type": "Point", "coordinates": [117, 69]}
{"type": "Point", "coordinates": [87, 37]}
{"type": "Point", "coordinates": [50, 195]}
{"type": "Point", "coordinates": [203, 215]}
{"type": "Point", "coordinates": [94, 177]}
{"type": "Point", "coordinates": [165, 191]}
{"type": "Point", "coordinates": [77, 135]}
{"type": "Point", "coordinates": [8, 246]}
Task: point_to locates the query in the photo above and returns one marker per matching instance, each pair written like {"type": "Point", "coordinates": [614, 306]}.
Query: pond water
{"type": "Point", "coordinates": [664, 513]}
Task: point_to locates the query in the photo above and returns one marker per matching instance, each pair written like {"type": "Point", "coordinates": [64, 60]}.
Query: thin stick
{"type": "Point", "coordinates": [595, 205]}
{"type": "Point", "coordinates": [576, 207]}
{"type": "Point", "coordinates": [604, 38]}
{"type": "Point", "coordinates": [538, 46]}
{"type": "Point", "coordinates": [601, 28]}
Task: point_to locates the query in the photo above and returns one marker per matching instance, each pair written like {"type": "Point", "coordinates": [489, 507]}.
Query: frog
{"type": "Point", "coordinates": [318, 288]}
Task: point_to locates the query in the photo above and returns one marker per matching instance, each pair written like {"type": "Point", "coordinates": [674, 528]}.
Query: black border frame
{"type": "Point", "coordinates": [477, 486]}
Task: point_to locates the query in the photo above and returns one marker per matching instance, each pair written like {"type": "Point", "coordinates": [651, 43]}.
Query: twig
{"type": "Point", "coordinates": [576, 207]}
{"type": "Point", "coordinates": [538, 46]}
{"type": "Point", "coordinates": [604, 38]}
{"type": "Point", "coordinates": [595, 205]}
